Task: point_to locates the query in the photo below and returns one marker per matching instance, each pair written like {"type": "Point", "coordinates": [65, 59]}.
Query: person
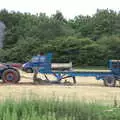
{"type": "Point", "coordinates": [41, 60]}
{"type": "Point", "coordinates": [42, 57]}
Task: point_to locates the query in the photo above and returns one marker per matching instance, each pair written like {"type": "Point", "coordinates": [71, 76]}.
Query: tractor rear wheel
{"type": "Point", "coordinates": [11, 76]}
{"type": "Point", "coordinates": [109, 81]}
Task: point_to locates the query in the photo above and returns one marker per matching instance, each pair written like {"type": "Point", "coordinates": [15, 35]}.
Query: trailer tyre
{"type": "Point", "coordinates": [11, 76]}
{"type": "Point", "coordinates": [109, 81]}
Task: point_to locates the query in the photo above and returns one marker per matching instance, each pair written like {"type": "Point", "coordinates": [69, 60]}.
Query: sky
{"type": "Point", "coordinates": [69, 8]}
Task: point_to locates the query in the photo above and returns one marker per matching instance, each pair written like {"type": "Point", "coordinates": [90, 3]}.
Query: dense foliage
{"type": "Point", "coordinates": [84, 40]}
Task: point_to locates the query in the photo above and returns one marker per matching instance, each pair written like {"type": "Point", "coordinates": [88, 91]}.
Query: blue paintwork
{"type": "Point", "coordinates": [98, 75]}
{"type": "Point", "coordinates": [114, 66]}
{"type": "Point", "coordinates": [45, 68]}
{"type": "Point", "coordinates": [9, 77]}
{"type": "Point", "coordinates": [35, 61]}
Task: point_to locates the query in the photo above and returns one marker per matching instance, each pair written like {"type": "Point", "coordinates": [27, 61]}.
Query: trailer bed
{"type": "Point", "coordinates": [88, 73]}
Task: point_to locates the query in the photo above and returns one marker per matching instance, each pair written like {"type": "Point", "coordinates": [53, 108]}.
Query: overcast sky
{"type": "Point", "coordinates": [69, 8]}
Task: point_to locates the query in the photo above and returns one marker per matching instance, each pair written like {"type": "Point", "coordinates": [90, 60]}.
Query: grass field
{"type": "Point", "coordinates": [55, 109]}
{"type": "Point", "coordinates": [92, 68]}
{"type": "Point", "coordinates": [87, 89]}
{"type": "Point", "coordinates": [88, 100]}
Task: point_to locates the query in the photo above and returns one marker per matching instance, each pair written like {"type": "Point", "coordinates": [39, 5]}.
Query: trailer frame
{"type": "Point", "coordinates": [109, 77]}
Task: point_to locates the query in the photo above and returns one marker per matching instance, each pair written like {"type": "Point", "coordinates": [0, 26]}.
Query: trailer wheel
{"type": "Point", "coordinates": [11, 76]}
{"type": "Point", "coordinates": [109, 81]}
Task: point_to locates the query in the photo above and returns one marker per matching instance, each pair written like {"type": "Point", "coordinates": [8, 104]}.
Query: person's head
{"type": "Point", "coordinates": [41, 53]}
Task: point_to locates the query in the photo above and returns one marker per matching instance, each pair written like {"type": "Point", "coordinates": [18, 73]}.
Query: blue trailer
{"type": "Point", "coordinates": [109, 77]}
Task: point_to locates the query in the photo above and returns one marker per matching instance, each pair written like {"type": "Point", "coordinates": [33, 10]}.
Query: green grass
{"type": "Point", "coordinates": [49, 109]}
{"type": "Point", "coordinates": [91, 68]}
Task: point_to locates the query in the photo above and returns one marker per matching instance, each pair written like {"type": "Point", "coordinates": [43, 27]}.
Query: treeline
{"type": "Point", "coordinates": [84, 40]}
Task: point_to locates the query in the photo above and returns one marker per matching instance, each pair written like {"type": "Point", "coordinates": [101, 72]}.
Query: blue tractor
{"type": "Point", "coordinates": [27, 67]}
{"type": "Point", "coordinates": [9, 74]}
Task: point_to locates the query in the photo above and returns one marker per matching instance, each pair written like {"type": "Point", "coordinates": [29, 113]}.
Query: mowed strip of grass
{"type": "Point", "coordinates": [91, 67]}
{"type": "Point", "coordinates": [55, 109]}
